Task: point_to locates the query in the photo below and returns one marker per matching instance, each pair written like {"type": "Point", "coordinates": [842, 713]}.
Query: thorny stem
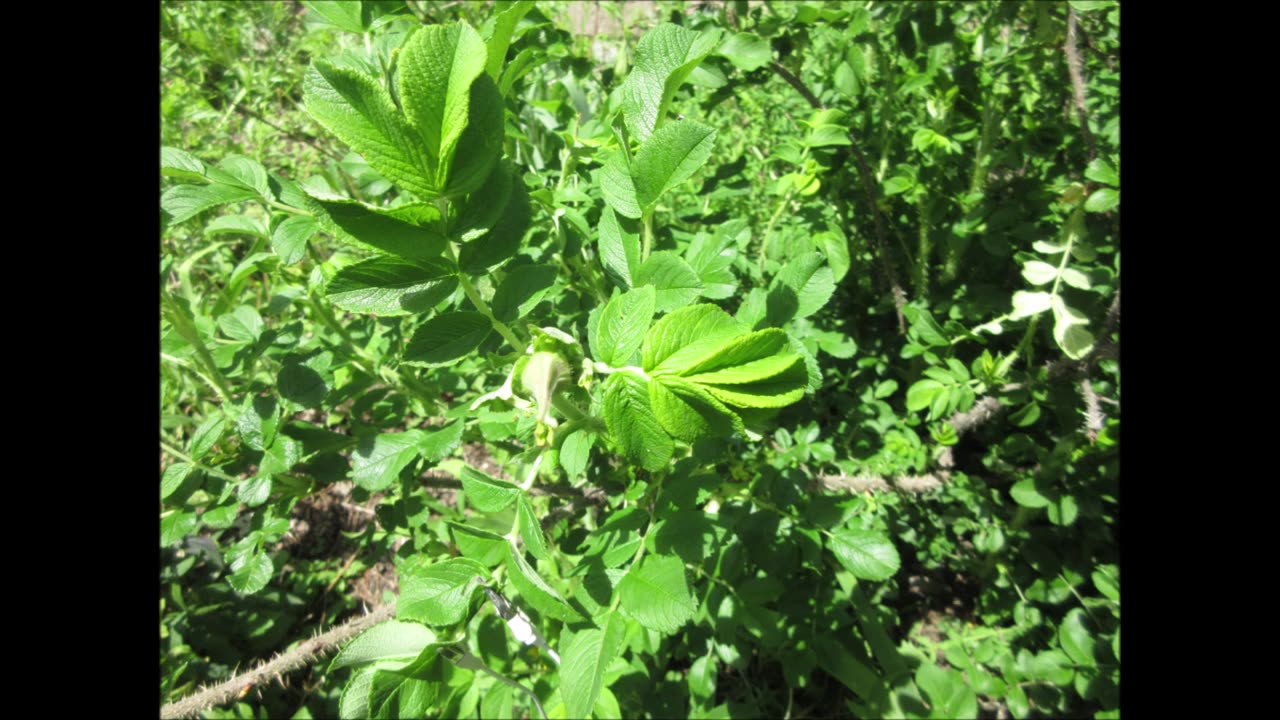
{"type": "Point", "coordinates": [305, 653]}
{"type": "Point", "coordinates": [868, 188]}
{"type": "Point", "coordinates": [1076, 70]}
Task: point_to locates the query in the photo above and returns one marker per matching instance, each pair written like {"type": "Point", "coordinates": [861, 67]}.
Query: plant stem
{"type": "Point", "coordinates": [924, 248]}
{"type": "Point", "coordinates": [187, 459]}
{"type": "Point", "coordinates": [305, 653]}
{"type": "Point", "coordinates": [768, 229]}
{"type": "Point", "coordinates": [646, 236]}
{"type": "Point", "coordinates": [186, 328]}
{"type": "Point", "coordinates": [506, 332]}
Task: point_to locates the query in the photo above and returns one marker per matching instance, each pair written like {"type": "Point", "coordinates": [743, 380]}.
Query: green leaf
{"type": "Point", "coordinates": [480, 146]}
{"type": "Point", "coordinates": [921, 394]}
{"type": "Point", "coordinates": [345, 15]}
{"type": "Point", "coordinates": [221, 518]}
{"type": "Point", "coordinates": [395, 694]}
{"type": "Point", "coordinates": [504, 25]}
{"type": "Point", "coordinates": [243, 324]}
{"type": "Point", "coordinates": [632, 423]}
{"type": "Point", "coordinates": [358, 109]}
{"type": "Point", "coordinates": [354, 701]}
{"type": "Point", "coordinates": [406, 231]}
{"type": "Point", "coordinates": [665, 56]}
{"type": "Point", "coordinates": [392, 641]}
{"type": "Point", "coordinates": [1068, 330]}
{"type": "Point", "coordinates": [283, 454]}
{"type": "Point", "coordinates": [685, 336]}
{"type": "Point", "coordinates": [445, 338]}
{"type": "Point", "coordinates": [657, 594]}
{"type": "Point", "coordinates": [711, 256]}
{"type": "Point", "coordinates": [801, 288]}
{"type": "Point", "coordinates": [250, 573]}
{"type": "Point", "coordinates": [521, 291]}
{"type": "Point", "coordinates": [836, 248]}
{"type": "Point", "coordinates": [747, 372]}
{"type": "Point", "coordinates": [619, 249]}
{"type": "Point", "coordinates": [207, 435]}
{"type": "Point", "coordinates": [487, 493]}
{"type": "Point", "coordinates": [845, 80]}
{"type": "Point", "coordinates": [258, 421]}
{"type": "Point", "coordinates": [1026, 304]}
{"type": "Point", "coordinates": [575, 453]}
{"type": "Point", "coordinates": [868, 554]}
{"type": "Point", "coordinates": [183, 202]}
{"type": "Point", "coordinates": [925, 328]}
{"type": "Point", "coordinates": [177, 526]}
{"type": "Point", "coordinates": [254, 491]}
{"type": "Point", "coordinates": [1076, 279]}
{"type": "Point", "coordinates": [778, 391]}
{"type": "Point", "coordinates": [289, 240]}
{"type": "Point", "coordinates": [690, 412]}
{"type": "Point", "coordinates": [377, 461]}
{"type": "Point", "coordinates": [180, 164]}
{"type": "Point", "coordinates": [485, 547]}
{"type": "Point", "coordinates": [502, 241]}
{"type": "Point", "coordinates": [235, 225]}
{"type": "Point", "coordinates": [437, 67]}
{"type": "Point", "coordinates": [531, 530]}
{"type": "Point", "coordinates": [303, 381]}
{"type": "Point", "coordinates": [485, 206]}
{"type": "Point", "coordinates": [535, 591]}
{"type": "Point", "coordinates": [388, 286]}
{"type": "Point", "coordinates": [1101, 171]}
{"type": "Point", "coordinates": [738, 351]}
{"type": "Point", "coordinates": [617, 187]}
{"type": "Point", "coordinates": [1077, 639]}
{"type": "Point", "coordinates": [245, 171]}
{"type": "Point", "coordinates": [1026, 494]}
{"type": "Point", "coordinates": [173, 477]}
{"type": "Point", "coordinates": [676, 283]}
{"type": "Point", "coordinates": [584, 657]}
{"type": "Point", "coordinates": [438, 593]}
{"type": "Point", "coordinates": [702, 678]}
{"type": "Point", "coordinates": [1039, 273]}
{"type": "Point", "coordinates": [948, 694]}
{"type": "Point", "coordinates": [747, 51]}
{"type": "Point", "coordinates": [1102, 200]}
{"type": "Point", "coordinates": [622, 326]}
{"type": "Point", "coordinates": [834, 658]}
{"type": "Point", "coordinates": [669, 157]}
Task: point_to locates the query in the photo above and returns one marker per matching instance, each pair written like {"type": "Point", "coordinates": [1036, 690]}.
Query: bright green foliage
{"type": "Point", "coordinates": [389, 286]}
{"type": "Point", "coordinates": [438, 594]}
{"type": "Point", "coordinates": [674, 360]}
{"type": "Point", "coordinates": [585, 658]}
{"type": "Point", "coordinates": [665, 57]}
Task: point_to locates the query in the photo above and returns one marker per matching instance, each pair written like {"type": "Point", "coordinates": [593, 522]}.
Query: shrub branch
{"type": "Point", "coordinates": [868, 189]}
{"type": "Point", "coordinates": [304, 654]}
{"type": "Point", "coordinates": [1075, 67]}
